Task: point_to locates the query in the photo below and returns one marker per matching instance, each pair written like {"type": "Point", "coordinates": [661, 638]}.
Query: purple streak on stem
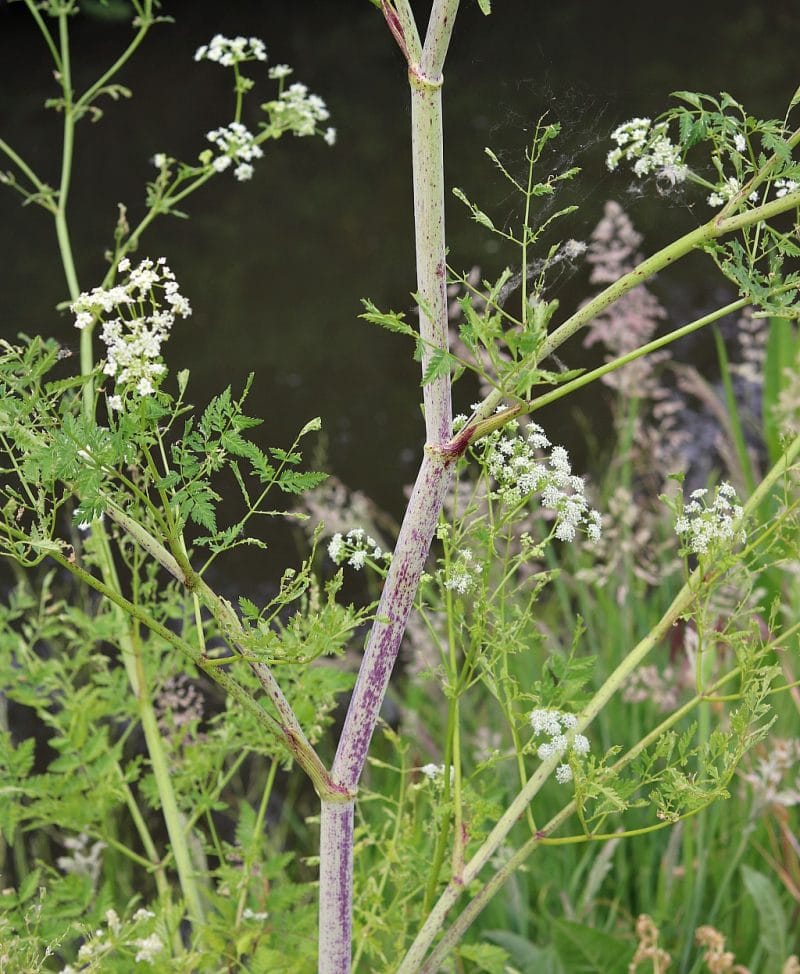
{"type": "Point", "coordinates": [336, 878]}
{"type": "Point", "coordinates": [408, 562]}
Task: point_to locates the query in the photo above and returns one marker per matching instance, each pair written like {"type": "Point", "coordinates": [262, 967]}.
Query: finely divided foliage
{"type": "Point", "coordinates": [157, 817]}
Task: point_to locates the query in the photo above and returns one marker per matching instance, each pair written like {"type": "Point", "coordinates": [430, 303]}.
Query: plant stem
{"type": "Point", "coordinates": [427, 499]}
{"type": "Point", "coordinates": [133, 660]}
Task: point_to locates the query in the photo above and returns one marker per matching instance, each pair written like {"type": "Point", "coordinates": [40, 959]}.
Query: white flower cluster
{"type": "Point", "coordinates": [149, 948]}
{"type": "Point", "coordinates": [513, 462]}
{"type": "Point", "coordinates": [355, 548]}
{"type": "Point", "coordinates": [463, 573]}
{"type": "Point", "coordinates": [784, 186]}
{"type": "Point", "coordinates": [724, 192]}
{"type": "Point", "coordinates": [702, 526]}
{"type": "Point", "coordinates": [650, 150]}
{"type": "Point", "coordinates": [228, 51]}
{"type": "Point", "coordinates": [555, 724]}
{"type": "Point", "coordinates": [301, 112]}
{"type": "Point", "coordinates": [236, 144]}
{"type": "Point", "coordinates": [139, 325]}
{"type": "Point", "coordinates": [84, 859]}
{"type": "Point", "coordinates": [435, 772]}
{"type": "Point", "coordinates": [102, 943]}
{"type": "Point", "coordinates": [280, 71]}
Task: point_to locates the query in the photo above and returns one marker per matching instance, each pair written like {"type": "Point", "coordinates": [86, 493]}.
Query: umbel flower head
{"type": "Point", "coordinates": [704, 527]}
{"type": "Point", "coordinates": [555, 724]}
{"type": "Point", "coordinates": [649, 148]}
{"type": "Point", "coordinates": [295, 110]}
{"type": "Point", "coordinates": [356, 548]}
{"type": "Point", "coordinates": [228, 51]}
{"type": "Point", "coordinates": [137, 316]}
{"type": "Point", "coordinates": [514, 462]}
{"type": "Point", "coordinates": [236, 144]}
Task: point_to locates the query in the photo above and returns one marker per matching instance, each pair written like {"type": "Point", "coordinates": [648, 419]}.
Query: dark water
{"type": "Point", "coordinates": [275, 268]}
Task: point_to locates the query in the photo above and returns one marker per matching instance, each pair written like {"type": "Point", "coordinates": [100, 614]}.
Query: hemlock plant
{"type": "Point", "coordinates": [112, 515]}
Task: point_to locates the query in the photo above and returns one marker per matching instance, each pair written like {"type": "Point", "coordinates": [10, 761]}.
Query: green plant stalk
{"type": "Point", "coordinates": [258, 829]}
{"type": "Point", "coordinates": [145, 20]}
{"type": "Point", "coordinates": [26, 170]}
{"type": "Point", "coordinates": [173, 818]}
{"type": "Point", "coordinates": [615, 681]}
{"type": "Point", "coordinates": [133, 664]}
{"type": "Point", "coordinates": [154, 863]}
{"type": "Point", "coordinates": [33, 10]}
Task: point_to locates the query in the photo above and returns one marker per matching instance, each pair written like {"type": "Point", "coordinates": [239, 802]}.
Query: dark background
{"type": "Point", "coordinates": [275, 268]}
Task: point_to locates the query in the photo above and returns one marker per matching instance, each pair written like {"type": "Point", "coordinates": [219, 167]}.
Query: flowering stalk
{"type": "Point", "coordinates": [131, 654]}
{"type": "Point", "coordinates": [427, 499]}
{"type": "Point", "coordinates": [680, 604]}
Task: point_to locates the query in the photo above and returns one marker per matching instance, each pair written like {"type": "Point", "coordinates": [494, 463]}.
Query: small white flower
{"type": "Point", "coordinates": [724, 192]}
{"type": "Point", "coordinates": [249, 914]}
{"type": "Point", "coordinates": [335, 548]}
{"type": "Point", "coordinates": [134, 324]}
{"type": "Point", "coordinates": [580, 744]}
{"type": "Point", "coordinates": [143, 914]}
{"type": "Point", "coordinates": [243, 171]}
{"type": "Point", "coordinates": [546, 722]}
{"type": "Point", "coordinates": [149, 948]}
{"type": "Point", "coordinates": [563, 774]}
{"type": "Point", "coordinates": [357, 547]}
{"type": "Point", "coordinates": [279, 71]}
{"type": "Point", "coordinates": [330, 136]}
{"type": "Point", "coordinates": [546, 750]}
{"type": "Point", "coordinates": [717, 524]}
{"type": "Point", "coordinates": [740, 142]}
{"type": "Point", "coordinates": [432, 770]}
{"type": "Point", "coordinates": [228, 51]}
{"type": "Point", "coordinates": [784, 186]}
{"type": "Point", "coordinates": [358, 559]}
{"type": "Point", "coordinates": [650, 150]}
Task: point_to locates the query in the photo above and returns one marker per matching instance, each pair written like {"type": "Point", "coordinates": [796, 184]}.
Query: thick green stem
{"type": "Point", "coordinates": [133, 660]}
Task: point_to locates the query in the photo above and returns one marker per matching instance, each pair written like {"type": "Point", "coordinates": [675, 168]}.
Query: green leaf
{"type": "Point", "coordinates": [390, 320]}
{"type": "Point", "coordinates": [584, 950]}
{"type": "Point", "coordinates": [486, 7]}
{"type": "Point", "coordinates": [478, 215]}
{"type": "Point", "coordinates": [488, 957]}
{"type": "Point", "coordinates": [295, 482]}
{"type": "Point", "coordinates": [311, 426]}
{"type": "Point", "coordinates": [249, 609]}
{"type": "Point", "coordinates": [440, 364]}
{"type": "Point", "coordinates": [771, 916]}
